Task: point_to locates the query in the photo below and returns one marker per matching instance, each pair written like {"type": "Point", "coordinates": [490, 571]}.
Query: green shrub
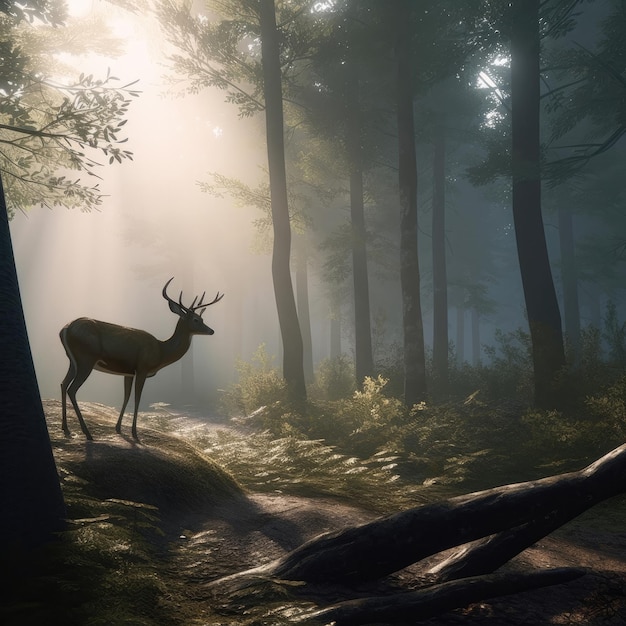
{"type": "Point", "coordinates": [259, 385]}
{"type": "Point", "coordinates": [334, 379]}
{"type": "Point", "coordinates": [614, 334]}
{"type": "Point", "coordinates": [553, 435]}
{"type": "Point", "coordinates": [359, 424]}
{"type": "Point", "coordinates": [596, 426]}
{"type": "Point", "coordinates": [366, 418]}
{"type": "Point", "coordinates": [608, 409]}
{"type": "Point", "coordinates": [510, 373]}
{"type": "Point", "coordinates": [470, 442]}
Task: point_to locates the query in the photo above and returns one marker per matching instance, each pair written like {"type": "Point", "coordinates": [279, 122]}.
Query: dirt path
{"type": "Point", "coordinates": [259, 528]}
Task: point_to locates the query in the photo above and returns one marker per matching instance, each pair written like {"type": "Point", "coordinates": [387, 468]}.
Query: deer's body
{"type": "Point", "coordinates": [135, 354]}
{"type": "Point", "coordinates": [103, 342]}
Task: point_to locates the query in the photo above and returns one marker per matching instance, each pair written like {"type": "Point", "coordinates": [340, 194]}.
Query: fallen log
{"type": "Point", "coordinates": [376, 549]}
{"type": "Point", "coordinates": [486, 555]}
{"type": "Point", "coordinates": [511, 518]}
{"type": "Point", "coordinates": [414, 606]}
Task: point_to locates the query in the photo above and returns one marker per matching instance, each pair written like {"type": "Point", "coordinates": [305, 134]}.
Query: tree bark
{"type": "Point", "coordinates": [440, 279]}
{"type": "Point", "coordinates": [302, 299]}
{"type": "Point", "coordinates": [408, 607]}
{"type": "Point", "coordinates": [475, 337]}
{"type": "Point", "coordinates": [569, 279]}
{"type": "Point", "coordinates": [413, 331]}
{"type": "Point", "coordinates": [363, 356]}
{"type": "Point", "coordinates": [32, 502]}
{"type": "Point", "coordinates": [542, 307]}
{"type": "Point", "coordinates": [460, 335]}
{"type": "Point", "coordinates": [486, 555]}
{"type": "Point", "coordinates": [335, 330]}
{"type": "Point", "coordinates": [293, 368]}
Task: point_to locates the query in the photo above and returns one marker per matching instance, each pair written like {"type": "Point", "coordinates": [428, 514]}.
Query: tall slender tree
{"type": "Point", "coordinates": [209, 55]}
{"type": "Point", "coordinates": [569, 282]}
{"type": "Point", "coordinates": [302, 302]}
{"type": "Point", "coordinates": [542, 307]}
{"type": "Point", "coordinates": [440, 277]}
{"type": "Point", "coordinates": [364, 363]}
{"type": "Point", "coordinates": [414, 360]}
{"type": "Point", "coordinates": [293, 368]}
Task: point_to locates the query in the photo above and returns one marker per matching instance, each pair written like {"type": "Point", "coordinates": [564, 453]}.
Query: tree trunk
{"type": "Point", "coordinates": [335, 331]}
{"type": "Point", "coordinates": [414, 352]}
{"type": "Point", "coordinates": [407, 607]}
{"type": "Point", "coordinates": [569, 278]}
{"type": "Point", "coordinates": [293, 368]}
{"type": "Point", "coordinates": [187, 392]}
{"type": "Point", "coordinates": [363, 356]}
{"type": "Point", "coordinates": [542, 308]}
{"type": "Point", "coordinates": [475, 337]}
{"type": "Point", "coordinates": [595, 303]}
{"type": "Point", "coordinates": [460, 335]}
{"type": "Point", "coordinates": [302, 298]}
{"type": "Point", "coordinates": [32, 502]}
{"type": "Point", "coordinates": [440, 279]}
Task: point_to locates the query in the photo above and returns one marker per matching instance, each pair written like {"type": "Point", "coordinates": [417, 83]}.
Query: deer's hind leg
{"type": "Point", "coordinates": [80, 376]}
{"type": "Point", "coordinates": [71, 372]}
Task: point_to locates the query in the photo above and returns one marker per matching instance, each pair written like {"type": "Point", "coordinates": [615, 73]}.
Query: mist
{"type": "Point", "coordinates": [154, 223]}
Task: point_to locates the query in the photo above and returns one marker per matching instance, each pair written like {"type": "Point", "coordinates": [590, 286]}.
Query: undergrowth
{"type": "Point", "coordinates": [304, 467]}
{"type": "Point", "coordinates": [101, 570]}
{"type": "Point", "coordinates": [486, 432]}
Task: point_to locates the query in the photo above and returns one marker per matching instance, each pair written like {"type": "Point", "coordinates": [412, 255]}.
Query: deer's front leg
{"type": "Point", "coordinates": [128, 383]}
{"type": "Point", "coordinates": [140, 379]}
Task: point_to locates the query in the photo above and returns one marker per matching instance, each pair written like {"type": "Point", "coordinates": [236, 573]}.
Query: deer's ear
{"type": "Point", "coordinates": [176, 308]}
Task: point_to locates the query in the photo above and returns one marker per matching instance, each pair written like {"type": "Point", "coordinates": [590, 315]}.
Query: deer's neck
{"type": "Point", "coordinates": [175, 347]}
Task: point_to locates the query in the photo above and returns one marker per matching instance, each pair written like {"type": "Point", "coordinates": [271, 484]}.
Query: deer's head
{"type": "Point", "coordinates": [193, 321]}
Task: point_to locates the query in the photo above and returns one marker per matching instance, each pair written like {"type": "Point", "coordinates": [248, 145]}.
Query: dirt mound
{"type": "Point", "coordinates": [161, 470]}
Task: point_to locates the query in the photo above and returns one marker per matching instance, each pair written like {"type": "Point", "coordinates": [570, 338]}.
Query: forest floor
{"type": "Point", "coordinates": [244, 532]}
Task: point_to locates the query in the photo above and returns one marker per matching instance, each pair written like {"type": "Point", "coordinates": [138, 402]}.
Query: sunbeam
{"type": "Point", "coordinates": [154, 223]}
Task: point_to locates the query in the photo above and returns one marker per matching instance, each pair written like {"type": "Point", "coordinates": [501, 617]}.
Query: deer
{"type": "Point", "coordinates": [129, 352]}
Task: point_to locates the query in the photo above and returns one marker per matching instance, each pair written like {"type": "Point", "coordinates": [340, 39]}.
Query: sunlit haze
{"type": "Point", "coordinates": [155, 223]}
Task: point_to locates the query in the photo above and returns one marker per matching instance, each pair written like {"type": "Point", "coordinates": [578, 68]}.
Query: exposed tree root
{"type": "Point", "coordinates": [426, 603]}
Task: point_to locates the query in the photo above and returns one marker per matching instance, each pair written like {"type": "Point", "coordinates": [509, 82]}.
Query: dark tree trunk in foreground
{"type": "Point", "coordinates": [414, 354]}
{"type": "Point", "coordinates": [32, 503]}
{"type": "Point", "coordinates": [363, 357]}
{"type": "Point", "coordinates": [569, 279]}
{"type": "Point", "coordinates": [293, 369]}
{"type": "Point", "coordinates": [513, 517]}
{"type": "Point", "coordinates": [542, 307]}
{"type": "Point", "coordinates": [440, 277]}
